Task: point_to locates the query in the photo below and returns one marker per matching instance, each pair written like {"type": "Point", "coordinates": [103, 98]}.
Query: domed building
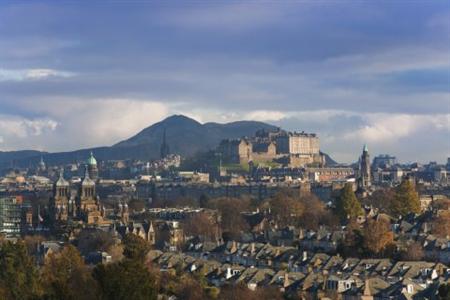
{"type": "Point", "coordinates": [92, 168]}
{"type": "Point", "coordinates": [41, 167]}
{"type": "Point", "coordinates": [83, 206]}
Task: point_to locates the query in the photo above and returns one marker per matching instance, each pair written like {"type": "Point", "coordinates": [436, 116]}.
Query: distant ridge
{"type": "Point", "coordinates": [185, 136]}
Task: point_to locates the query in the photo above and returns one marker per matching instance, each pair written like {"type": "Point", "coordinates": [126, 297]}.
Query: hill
{"type": "Point", "coordinates": [184, 135]}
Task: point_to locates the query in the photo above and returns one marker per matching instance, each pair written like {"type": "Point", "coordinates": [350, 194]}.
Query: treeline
{"type": "Point", "coordinates": [64, 275]}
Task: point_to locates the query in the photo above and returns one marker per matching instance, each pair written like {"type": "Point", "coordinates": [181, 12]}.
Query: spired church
{"type": "Point", "coordinates": [83, 206]}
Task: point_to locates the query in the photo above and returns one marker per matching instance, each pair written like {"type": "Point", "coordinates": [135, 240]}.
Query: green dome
{"type": "Point", "coordinates": [91, 160]}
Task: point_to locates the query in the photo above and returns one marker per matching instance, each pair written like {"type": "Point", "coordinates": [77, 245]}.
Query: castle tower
{"type": "Point", "coordinates": [364, 180]}
{"type": "Point", "coordinates": [92, 168]}
{"type": "Point", "coordinates": [164, 151]}
{"type": "Point", "coordinates": [60, 201]}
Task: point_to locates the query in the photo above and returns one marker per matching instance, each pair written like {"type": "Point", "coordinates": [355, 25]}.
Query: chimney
{"type": "Point", "coordinates": [305, 256]}
{"type": "Point", "coordinates": [367, 291]}
{"type": "Point", "coordinates": [286, 280]}
{"type": "Point", "coordinates": [233, 247]}
{"type": "Point", "coordinates": [228, 275]}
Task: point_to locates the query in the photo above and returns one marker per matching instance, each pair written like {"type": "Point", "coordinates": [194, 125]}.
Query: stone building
{"type": "Point", "coordinates": [236, 151]}
{"type": "Point", "coordinates": [298, 143]}
{"type": "Point", "coordinates": [329, 174]}
{"type": "Point", "coordinates": [88, 203]}
{"type": "Point", "coordinates": [59, 206]}
{"type": "Point", "coordinates": [81, 206]}
{"type": "Point", "coordinates": [291, 149]}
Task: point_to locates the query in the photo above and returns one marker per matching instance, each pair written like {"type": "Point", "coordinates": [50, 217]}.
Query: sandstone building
{"type": "Point", "coordinates": [292, 149]}
{"type": "Point", "coordinates": [81, 205]}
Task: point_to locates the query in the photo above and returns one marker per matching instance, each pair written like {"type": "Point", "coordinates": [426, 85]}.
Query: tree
{"type": "Point", "coordinates": [352, 244]}
{"type": "Point", "coordinates": [232, 222]}
{"type": "Point", "coordinates": [91, 240]}
{"type": "Point", "coordinates": [381, 199]}
{"type": "Point", "coordinates": [190, 289]}
{"type": "Point", "coordinates": [135, 247]}
{"type": "Point", "coordinates": [377, 236]}
{"type": "Point", "coordinates": [441, 224]}
{"type": "Point", "coordinates": [414, 252]}
{"type": "Point", "coordinates": [18, 275]}
{"type": "Point", "coordinates": [127, 279]}
{"type": "Point", "coordinates": [316, 213]}
{"type": "Point", "coordinates": [65, 276]}
{"type": "Point", "coordinates": [286, 209]}
{"type": "Point", "coordinates": [116, 252]}
{"type": "Point", "coordinates": [32, 242]}
{"type": "Point", "coordinates": [202, 225]}
{"type": "Point", "coordinates": [406, 199]}
{"type": "Point", "coordinates": [347, 205]}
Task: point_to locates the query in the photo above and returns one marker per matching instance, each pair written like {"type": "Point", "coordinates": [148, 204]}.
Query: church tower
{"type": "Point", "coordinates": [364, 169]}
{"type": "Point", "coordinates": [164, 151]}
{"type": "Point", "coordinates": [88, 203]}
{"type": "Point", "coordinates": [60, 201]}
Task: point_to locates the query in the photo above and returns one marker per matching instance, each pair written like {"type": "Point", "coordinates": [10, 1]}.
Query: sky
{"type": "Point", "coordinates": [91, 73]}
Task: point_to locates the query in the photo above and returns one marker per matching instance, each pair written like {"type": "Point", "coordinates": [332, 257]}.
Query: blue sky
{"type": "Point", "coordinates": [81, 74]}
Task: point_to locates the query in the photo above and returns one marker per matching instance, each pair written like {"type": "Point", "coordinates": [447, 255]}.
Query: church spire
{"type": "Point", "coordinates": [164, 146]}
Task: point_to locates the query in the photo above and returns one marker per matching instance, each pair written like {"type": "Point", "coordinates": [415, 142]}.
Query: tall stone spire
{"type": "Point", "coordinates": [364, 169]}
{"type": "Point", "coordinates": [164, 146]}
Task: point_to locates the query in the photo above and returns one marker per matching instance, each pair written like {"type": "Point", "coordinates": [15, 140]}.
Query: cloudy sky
{"type": "Point", "coordinates": [354, 72]}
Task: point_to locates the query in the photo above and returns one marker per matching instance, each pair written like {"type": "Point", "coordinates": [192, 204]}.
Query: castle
{"type": "Point", "coordinates": [292, 149]}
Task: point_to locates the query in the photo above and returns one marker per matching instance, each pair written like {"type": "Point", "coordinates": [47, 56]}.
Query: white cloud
{"type": "Point", "coordinates": [16, 128]}
{"type": "Point", "coordinates": [98, 122]}
{"type": "Point", "coordinates": [265, 115]}
{"type": "Point", "coordinates": [73, 124]}
{"type": "Point", "coordinates": [32, 74]}
{"type": "Point", "coordinates": [384, 128]}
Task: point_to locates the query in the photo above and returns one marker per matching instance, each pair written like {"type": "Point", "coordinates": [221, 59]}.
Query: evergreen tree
{"type": "Point", "coordinates": [19, 277]}
{"type": "Point", "coordinates": [135, 247]}
{"type": "Point", "coordinates": [65, 276]}
{"type": "Point", "coordinates": [347, 205]}
{"type": "Point", "coordinates": [406, 199]}
{"type": "Point", "coordinates": [128, 279]}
